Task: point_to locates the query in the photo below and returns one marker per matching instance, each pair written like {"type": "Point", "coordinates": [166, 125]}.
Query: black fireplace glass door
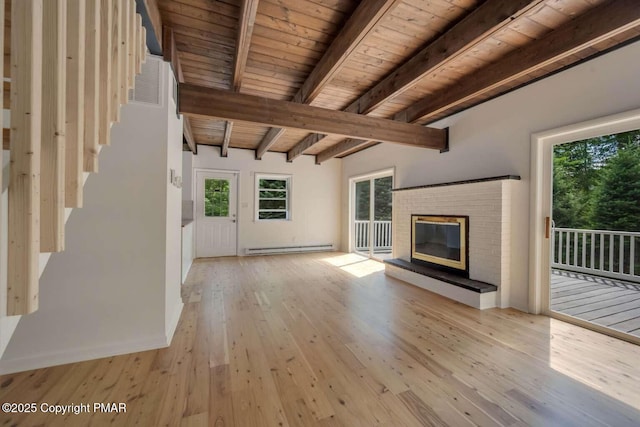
{"type": "Point", "coordinates": [439, 239]}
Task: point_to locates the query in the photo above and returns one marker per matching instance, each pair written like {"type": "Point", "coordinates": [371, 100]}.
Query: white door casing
{"type": "Point", "coordinates": [216, 214]}
{"type": "Point", "coordinates": [541, 190]}
{"type": "Point", "coordinates": [353, 181]}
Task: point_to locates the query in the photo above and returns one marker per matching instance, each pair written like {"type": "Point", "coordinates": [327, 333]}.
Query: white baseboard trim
{"type": "Point", "coordinates": [81, 354]}
{"type": "Point", "coordinates": [173, 323]}
{"type": "Point", "coordinates": [74, 355]}
{"type": "Point", "coordinates": [456, 293]}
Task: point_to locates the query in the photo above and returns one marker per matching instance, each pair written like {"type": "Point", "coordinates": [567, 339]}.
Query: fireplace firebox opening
{"type": "Point", "coordinates": [441, 241]}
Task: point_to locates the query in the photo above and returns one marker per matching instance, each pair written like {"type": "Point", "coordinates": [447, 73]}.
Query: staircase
{"type": "Point", "coordinates": [72, 65]}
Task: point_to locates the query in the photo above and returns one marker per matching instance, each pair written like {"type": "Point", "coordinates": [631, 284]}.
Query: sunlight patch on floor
{"type": "Point", "coordinates": [356, 265]}
{"type": "Point", "coordinates": [587, 367]}
{"type": "Point", "coordinates": [363, 268]}
{"type": "Point", "coordinates": [344, 259]}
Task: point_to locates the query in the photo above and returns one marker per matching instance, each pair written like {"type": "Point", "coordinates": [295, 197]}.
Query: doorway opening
{"type": "Point", "coordinates": [216, 213]}
{"type": "Point", "coordinates": [371, 215]}
{"type": "Point", "coordinates": [595, 238]}
{"type": "Point", "coordinates": [585, 232]}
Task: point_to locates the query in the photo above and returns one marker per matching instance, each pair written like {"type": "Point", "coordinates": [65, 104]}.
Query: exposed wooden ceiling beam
{"type": "Point", "coordinates": [304, 145]}
{"type": "Point", "coordinates": [224, 150]}
{"type": "Point", "coordinates": [187, 132]}
{"type": "Point", "coordinates": [268, 140]}
{"type": "Point", "coordinates": [246, 22]}
{"type": "Point", "coordinates": [358, 26]}
{"type": "Point", "coordinates": [601, 23]}
{"type": "Point", "coordinates": [151, 20]}
{"type": "Point", "coordinates": [226, 140]}
{"type": "Point", "coordinates": [169, 50]}
{"type": "Point", "coordinates": [188, 135]}
{"type": "Point", "coordinates": [364, 19]}
{"type": "Point", "coordinates": [209, 102]}
{"type": "Point", "coordinates": [339, 148]}
{"type": "Point", "coordinates": [488, 18]}
{"type": "Point", "coordinates": [170, 54]}
{"type": "Point", "coordinates": [247, 19]}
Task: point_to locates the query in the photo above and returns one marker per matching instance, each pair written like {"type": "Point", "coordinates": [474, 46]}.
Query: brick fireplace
{"type": "Point", "coordinates": [487, 204]}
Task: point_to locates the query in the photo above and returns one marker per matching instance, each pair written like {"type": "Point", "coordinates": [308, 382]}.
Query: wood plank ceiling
{"type": "Point", "coordinates": [413, 61]}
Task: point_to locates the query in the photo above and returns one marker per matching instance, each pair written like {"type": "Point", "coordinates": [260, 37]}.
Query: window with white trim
{"type": "Point", "coordinates": [273, 197]}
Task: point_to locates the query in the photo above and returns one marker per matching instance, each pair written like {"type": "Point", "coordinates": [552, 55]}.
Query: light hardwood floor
{"type": "Point", "coordinates": [329, 340]}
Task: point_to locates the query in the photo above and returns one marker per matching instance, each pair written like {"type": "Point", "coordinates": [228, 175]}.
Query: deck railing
{"type": "Point", "coordinates": [614, 254]}
{"type": "Point", "coordinates": [381, 236]}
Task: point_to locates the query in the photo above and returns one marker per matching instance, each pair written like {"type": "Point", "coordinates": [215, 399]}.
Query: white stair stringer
{"type": "Point", "coordinates": [147, 90]}
{"type": "Point", "coordinates": [8, 324]}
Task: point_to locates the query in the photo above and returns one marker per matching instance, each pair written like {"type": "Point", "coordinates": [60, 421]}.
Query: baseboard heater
{"type": "Point", "coordinates": [288, 249]}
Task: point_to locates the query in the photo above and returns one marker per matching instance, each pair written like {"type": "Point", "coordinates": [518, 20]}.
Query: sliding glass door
{"type": "Point", "coordinates": [371, 215]}
{"type": "Point", "coordinates": [594, 232]}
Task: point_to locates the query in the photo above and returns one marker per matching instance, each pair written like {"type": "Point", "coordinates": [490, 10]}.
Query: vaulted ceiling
{"type": "Point", "coordinates": [249, 66]}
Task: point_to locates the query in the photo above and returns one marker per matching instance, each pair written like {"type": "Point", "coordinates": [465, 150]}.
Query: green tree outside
{"type": "Point", "coordinates": [596, 183]}
{"type": "Point", "coordinates": [216, 197]}
{"type": "Point", "coordinates": [596, 186]}
{"type": "Point", "coordinates": [617, 196]}
{"type": "Point", "coordinates": [382, 208]}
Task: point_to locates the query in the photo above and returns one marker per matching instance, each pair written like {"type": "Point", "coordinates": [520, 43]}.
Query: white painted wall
{"type": "Point", "coordinates": [187, 176]}
{"type": "Point", "coordinates": [188, 245]}
{"type": "Point", "coordinates": [187, 186]}
{"type": "Point", "coordinates": [315, 198]}
{"type": "Point", "coordinates": [188, 249]}
{"type": "Point", "coordinates": [116, 287]}
{"type": "Point", "coordinates": [173, 226]}
{"type": "Point", "coordinates": [494, 139]}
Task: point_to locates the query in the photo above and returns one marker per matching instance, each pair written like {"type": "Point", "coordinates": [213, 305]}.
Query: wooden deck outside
{"type": "Point", "coordinates": [607, 302]}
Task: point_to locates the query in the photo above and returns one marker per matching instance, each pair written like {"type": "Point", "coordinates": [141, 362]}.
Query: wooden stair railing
{"type": "Point", "coordinates": [74, 132]}
{"type": "Point", "coordinates": [91, 51]}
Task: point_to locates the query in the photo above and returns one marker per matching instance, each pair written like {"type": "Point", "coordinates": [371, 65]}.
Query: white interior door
{"type": "Point", "coordinates": [216, 226]}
